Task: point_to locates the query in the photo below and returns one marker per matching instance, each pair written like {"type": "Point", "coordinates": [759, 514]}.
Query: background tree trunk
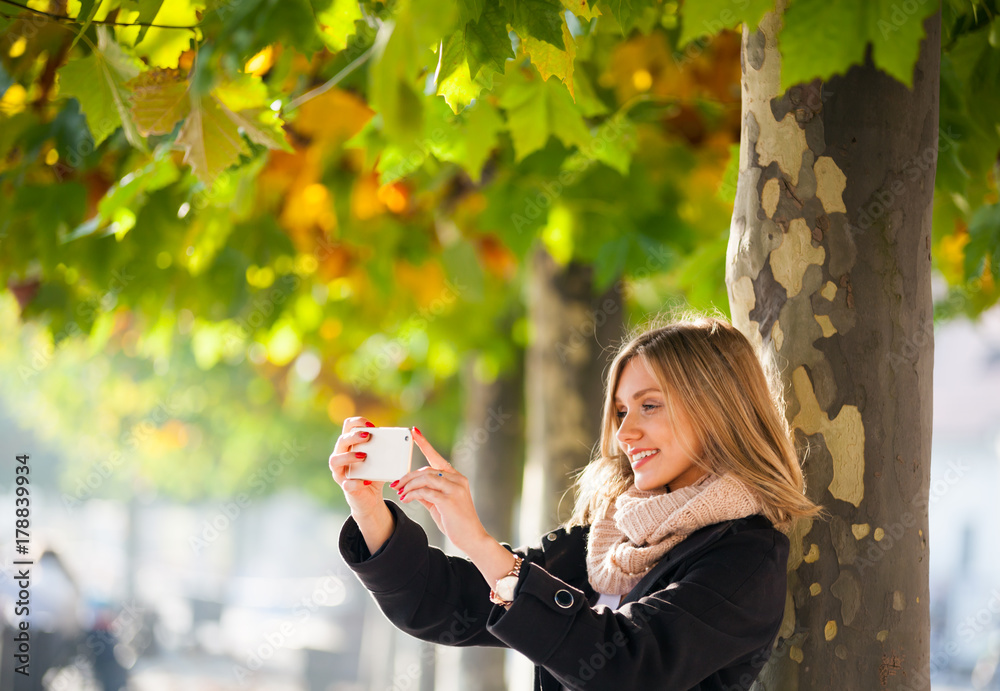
{"type": "Point", "coordinates": [565, 368]}
{"type": "Point", "coordinates": [489, 451]}
{"type": "Point", "coordinates": [829, 268]}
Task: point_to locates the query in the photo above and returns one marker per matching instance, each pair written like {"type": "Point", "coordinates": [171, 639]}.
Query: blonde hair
{"type": "Point", "coordinates": [732, 398]}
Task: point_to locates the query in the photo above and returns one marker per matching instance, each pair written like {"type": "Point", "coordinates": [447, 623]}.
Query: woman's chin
{"type": "Point", "coordinates": [644, 483]}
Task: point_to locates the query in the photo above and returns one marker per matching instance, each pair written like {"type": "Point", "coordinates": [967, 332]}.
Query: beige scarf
{"type": "Point", "coordinates": [646, 524]}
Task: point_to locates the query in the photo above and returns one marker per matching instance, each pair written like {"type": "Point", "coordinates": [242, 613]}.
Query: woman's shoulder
{"type": "Point", "coordinates": [753, 538]}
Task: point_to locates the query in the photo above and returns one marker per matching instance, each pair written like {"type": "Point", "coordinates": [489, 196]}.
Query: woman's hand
{"type": "Point", "coordinates": [445, 493]}
{"type": "Point", "coordinates": [363, 496]}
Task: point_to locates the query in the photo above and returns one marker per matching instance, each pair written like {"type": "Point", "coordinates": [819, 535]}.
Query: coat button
{"type": "Point", "coordinates": [564, 599]}
{"type": "Point", "coordinates": [551, 537]}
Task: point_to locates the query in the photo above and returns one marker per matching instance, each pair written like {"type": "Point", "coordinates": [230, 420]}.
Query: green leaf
{"type": "Point", "coordinates": [610, 261]}
{"type": "Point", "coordinates": [537, 109]}
{"type": "Point", "coordinates": [452, 78]}
{"type": "Point", "coordinates": [97, 81]}
{"type": "Point", "coordinates": [487, 41]}
{"type": "Point", "coordinates": [896, 33]}
{"type": "Point", "coordinates": [210, 139]}
{"type": "Point", "coordinates": [586, 98]}
{"type": "Point", "coordinates": [814, 45]}
{"type": "Point", "coordinates": [622, 12]}
{"type": "Point", "coordinates": [540, 19]}
{"type": "Point", "coordinates": [88, 10]}
{"type": "Point", "coordinates": [467, 140]}
{"type": "Point", "coordinates": [392, 81]}
{"type": "Point", "coordinates": [482, 127]}
{"type": "Point", "coordinates": [470, 10]}
{"type": "Point", "coordinates": [984, 242]}
{"type": "Point", "coordinates": [618, 141]}
{"type": "Point", "coordinates": [710, 17]}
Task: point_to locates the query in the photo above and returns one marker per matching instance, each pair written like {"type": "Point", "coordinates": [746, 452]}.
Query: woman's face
{"type": "Point", "coordinates": [657, 453]}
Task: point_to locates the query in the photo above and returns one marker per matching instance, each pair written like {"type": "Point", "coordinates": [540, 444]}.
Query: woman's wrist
{"type": "Point", "coordinates": [493, 560]}
{"type": "Point", "coordinates": [376, 527]}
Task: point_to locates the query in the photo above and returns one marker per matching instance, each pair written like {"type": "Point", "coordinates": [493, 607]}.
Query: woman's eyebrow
{"type": "Point", "coordinates": [638, 393]}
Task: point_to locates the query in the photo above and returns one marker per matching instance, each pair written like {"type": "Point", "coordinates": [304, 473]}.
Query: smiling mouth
{"type": "Point", "coordinates": [640, 458]}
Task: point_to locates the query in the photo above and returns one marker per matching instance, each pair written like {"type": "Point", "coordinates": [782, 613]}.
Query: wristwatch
{"type": "Point", "coordinates": [503, 591]}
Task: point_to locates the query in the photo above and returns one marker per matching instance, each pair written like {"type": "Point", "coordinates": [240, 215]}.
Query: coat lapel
{"type": "Point", "coordinates": [698, 540]}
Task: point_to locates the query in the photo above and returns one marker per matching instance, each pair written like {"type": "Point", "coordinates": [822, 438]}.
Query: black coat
{"type": "Point", "coordinates": [704, 618]}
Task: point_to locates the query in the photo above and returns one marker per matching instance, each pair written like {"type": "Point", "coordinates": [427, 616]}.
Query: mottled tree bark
{"type": "Point", "coordinates": [828, 269]}
{"type": "Point", "coordinates": [573, 332]}
{"type": "Point", "coordinates": [490, 451]}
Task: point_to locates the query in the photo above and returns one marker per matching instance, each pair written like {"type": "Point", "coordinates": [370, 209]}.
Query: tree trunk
{"type": "Point", "coordinates": [828, 269]}
{"type": "Point", "coordinates": [572, 332]}
{"type": "Point", "coordinates": [489, 452]}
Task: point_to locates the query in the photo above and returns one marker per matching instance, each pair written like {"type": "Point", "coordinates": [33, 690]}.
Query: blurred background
{"type": "Point", "coordinates": [187, 321]}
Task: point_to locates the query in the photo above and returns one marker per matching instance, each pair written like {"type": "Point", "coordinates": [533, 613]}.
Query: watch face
{"type": "Point", "coordinates": [505, 587]}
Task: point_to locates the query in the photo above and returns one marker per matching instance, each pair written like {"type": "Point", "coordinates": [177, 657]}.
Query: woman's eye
{"type": "Point", "coordinates": [645, 406]}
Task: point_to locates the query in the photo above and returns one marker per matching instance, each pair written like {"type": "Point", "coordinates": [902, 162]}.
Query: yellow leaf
{"type": "Point", "coordinates": [550, 60]}
{"type": "Point", "coordinates": [159, 101]}
{"type": "Point", "coordinates": [337, 22]}
{"type": "Point", "coordinates": [210, 139]}
{"type": "Point", "coordinates": [582, 9]}
{"type": "Point", "coordinates": [314, 116]}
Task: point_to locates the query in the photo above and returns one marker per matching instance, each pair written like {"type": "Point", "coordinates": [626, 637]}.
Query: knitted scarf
{"type": "Point", "coordinates": [645, 524]}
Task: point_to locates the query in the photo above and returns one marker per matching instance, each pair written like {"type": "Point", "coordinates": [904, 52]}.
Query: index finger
{"type": "Point", "coordinates": [357, 421]}
{"type": "Point", "coordinates": [434, 459]}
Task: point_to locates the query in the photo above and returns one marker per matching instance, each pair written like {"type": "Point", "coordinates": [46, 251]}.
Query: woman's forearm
{"type": "Point", "coordinates": [492, 559]}
{"type": "Point", "coordinates": [377, 527]}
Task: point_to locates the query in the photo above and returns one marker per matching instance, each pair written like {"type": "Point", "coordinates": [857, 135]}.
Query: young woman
{"type": "Point", "coordinates": [671, 572]}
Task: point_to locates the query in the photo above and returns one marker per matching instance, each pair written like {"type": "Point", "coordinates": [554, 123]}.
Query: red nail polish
{"type": "Point", "coordinates": [369, 424]}
{"type": "Point", "coordinates": [363, 435]}
{"type": "Point", "coordinates": [360, 454]}
{"type": "Point", "coordinates": [393, 484]}
{"type": "Point", "coordinates": [417, 430]}
{"type": "Point", "coordinates": [368, 482]}
{"type": "Point", "coordinates": [403, 498]}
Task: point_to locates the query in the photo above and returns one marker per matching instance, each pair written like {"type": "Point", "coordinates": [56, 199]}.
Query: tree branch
{"type": "Point", "coordinates": [105, 22]}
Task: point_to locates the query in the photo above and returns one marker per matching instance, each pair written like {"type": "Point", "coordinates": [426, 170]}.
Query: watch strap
{"type": "Point", "coordinates": [515, 572]}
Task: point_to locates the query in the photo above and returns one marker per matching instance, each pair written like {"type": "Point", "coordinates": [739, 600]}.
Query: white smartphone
{"type": "Point", "coordinates": [390, 451]}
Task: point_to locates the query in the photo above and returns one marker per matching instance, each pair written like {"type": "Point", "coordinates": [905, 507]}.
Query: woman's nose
{"type": "Point", "coordinates": [626, 431]}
